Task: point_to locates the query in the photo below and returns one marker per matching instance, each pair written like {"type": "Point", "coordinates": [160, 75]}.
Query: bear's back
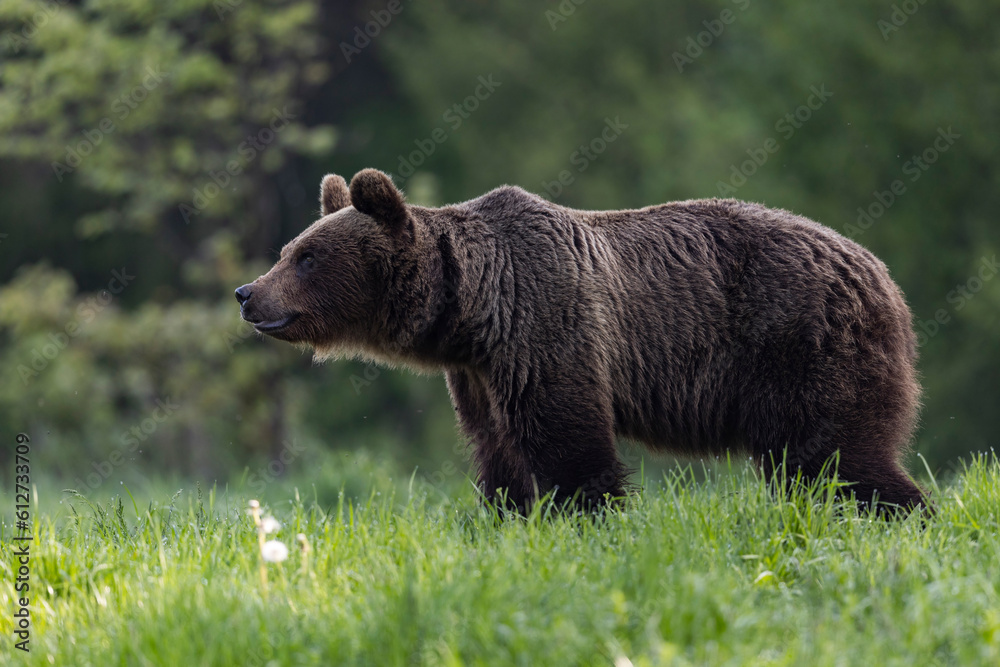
{"type": "Point", "coordinates": [719, 251]}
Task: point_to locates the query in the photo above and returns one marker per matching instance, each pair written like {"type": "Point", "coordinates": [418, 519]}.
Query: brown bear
{"type": "Point", "coordinates": [695, 327]}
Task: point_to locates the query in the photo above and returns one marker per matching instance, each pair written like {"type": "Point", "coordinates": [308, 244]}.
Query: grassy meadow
{"type": "Point", "coordinates": [707, 569]}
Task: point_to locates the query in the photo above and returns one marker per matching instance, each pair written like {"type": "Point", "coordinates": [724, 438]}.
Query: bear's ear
{"type": "Point", "coordinates": [373, 193]}
{"type": "Point", "coordinates": [333, 194]}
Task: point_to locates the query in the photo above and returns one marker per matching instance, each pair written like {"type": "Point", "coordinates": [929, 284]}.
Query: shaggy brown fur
{"type": "Point", "coordinates": [695, 327]}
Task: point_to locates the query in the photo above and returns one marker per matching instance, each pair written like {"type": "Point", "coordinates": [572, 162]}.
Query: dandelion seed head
{"type": "Point", "coordinates": [274, 551]}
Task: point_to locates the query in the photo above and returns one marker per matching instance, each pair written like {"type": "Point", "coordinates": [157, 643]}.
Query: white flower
{"type": "Point", "coordinates": [274, 551]}
{"type": "Point", "coordinates": [269, 525]}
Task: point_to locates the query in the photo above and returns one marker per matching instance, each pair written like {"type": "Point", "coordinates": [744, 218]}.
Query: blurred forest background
{"type": "Point", "coordinates": [155, 155]}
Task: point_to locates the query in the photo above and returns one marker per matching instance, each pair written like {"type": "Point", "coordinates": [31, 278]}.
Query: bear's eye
{"type": "Point", "coordinates": [306, 263]}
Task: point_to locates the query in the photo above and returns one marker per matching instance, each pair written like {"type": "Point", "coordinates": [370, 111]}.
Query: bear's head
{"type": "Point", "coordinates": [324, 289]}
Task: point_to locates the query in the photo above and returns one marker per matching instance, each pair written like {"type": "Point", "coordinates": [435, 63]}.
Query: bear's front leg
{"type": "Point", "coordinates": [550, 432]}
{"type": "Point", "coordinates": [502, 472]}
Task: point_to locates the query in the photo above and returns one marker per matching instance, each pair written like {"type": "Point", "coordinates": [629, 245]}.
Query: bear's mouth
{"type": "Point", "coordinates": [271, 326]}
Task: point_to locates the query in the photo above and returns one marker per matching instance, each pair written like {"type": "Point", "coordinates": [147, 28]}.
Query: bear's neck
{"type": "Point", "coordinates": [429, 302]}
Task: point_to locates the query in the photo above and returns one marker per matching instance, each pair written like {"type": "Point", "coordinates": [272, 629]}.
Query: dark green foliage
{"type": "Point", "coordinates": [533, 82]}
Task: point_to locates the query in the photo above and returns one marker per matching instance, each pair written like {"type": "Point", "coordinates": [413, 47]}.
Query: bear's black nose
{"type": "Point", "coordinates": [243, 293]}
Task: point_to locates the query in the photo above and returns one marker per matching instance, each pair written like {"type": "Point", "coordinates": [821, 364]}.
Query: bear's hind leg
{"type": "Point", "coordinates": [862, 457]}
{"type": "Point", "coordinates": [880, 480]}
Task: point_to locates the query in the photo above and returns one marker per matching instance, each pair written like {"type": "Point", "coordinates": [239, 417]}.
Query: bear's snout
{"type": "Point", "coordinates": [243, 293]}
{"type": "Point", "coordinates": [266, 315]}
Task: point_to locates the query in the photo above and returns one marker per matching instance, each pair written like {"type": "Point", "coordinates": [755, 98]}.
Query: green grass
{"type": "Point", "coordinates": [712, 572]}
